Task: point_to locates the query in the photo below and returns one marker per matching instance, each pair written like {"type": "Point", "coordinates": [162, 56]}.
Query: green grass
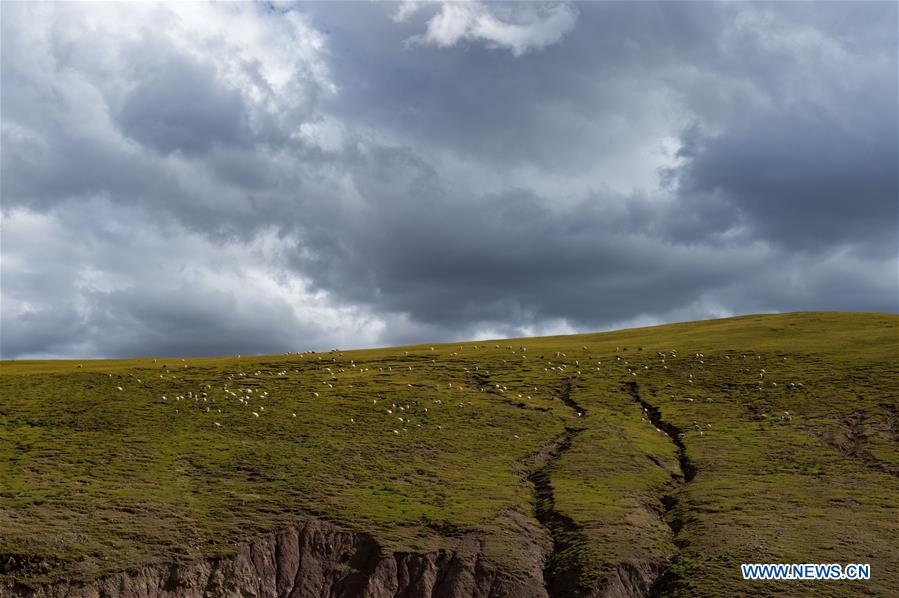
{"type": "Point", "coordinates": [95, 480]}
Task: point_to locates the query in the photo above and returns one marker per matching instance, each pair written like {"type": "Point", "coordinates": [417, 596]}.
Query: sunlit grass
{"type": "Point", "coordinates": [94, 479]}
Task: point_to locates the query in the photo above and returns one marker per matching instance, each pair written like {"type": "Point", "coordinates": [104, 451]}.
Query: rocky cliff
{"type": "Point", "coordinates": [316, 559]}
{"type": "Point", "coordinates": [311, 559]}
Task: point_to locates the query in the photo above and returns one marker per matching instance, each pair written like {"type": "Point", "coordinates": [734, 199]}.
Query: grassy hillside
{"type": "Point", "coordinates": [693, 447]}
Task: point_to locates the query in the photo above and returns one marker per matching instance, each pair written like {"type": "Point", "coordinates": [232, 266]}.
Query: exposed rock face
{"type": "Point", "coordinates": [631, 580]}
{"type": "Point", "coordinates": [313, 559]}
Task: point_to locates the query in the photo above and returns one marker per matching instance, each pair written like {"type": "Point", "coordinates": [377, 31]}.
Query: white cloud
{"type": "Point", "coordinates": [126, 290]}
{"type": "Point", "coordinates": [92, 58]}
{"type": "Point", "coordinates": [406, 9]}
{"type": "Point", "coordinates": [520, 29]}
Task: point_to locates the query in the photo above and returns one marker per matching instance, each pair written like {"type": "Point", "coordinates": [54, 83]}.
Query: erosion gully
{"type": "Point", "coordinates": [666, 579]}
{"type": "Point", "coordinates": [563, 569]}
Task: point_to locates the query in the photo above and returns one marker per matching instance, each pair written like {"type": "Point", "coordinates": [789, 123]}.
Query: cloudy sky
{"type": "Point", "coordinates": [210, 179]}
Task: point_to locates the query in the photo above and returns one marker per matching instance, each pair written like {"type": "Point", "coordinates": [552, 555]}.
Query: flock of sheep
{"type": "Point", "coordinates": [336, 377]}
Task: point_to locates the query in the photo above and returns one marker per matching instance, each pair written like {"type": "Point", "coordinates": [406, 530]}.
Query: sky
{"type": "Point", "coordinates": [246, 178]}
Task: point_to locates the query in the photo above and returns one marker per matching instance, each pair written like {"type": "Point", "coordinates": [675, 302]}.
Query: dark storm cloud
{"type": "Point", "coordinates": [238, 180]}
{"type": "Point", "coordinates": [803, 179]}
{"type": "Point", "coordinates": [445, 258]}
{"type": "Point", "coordinates": [181, 106]}
{"type": "Point", "coordinates": [804, 124]}
{"type": "Point", "coordinates": [454, 261]}
{"type": "Point", "coordinates": [802, 155]}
